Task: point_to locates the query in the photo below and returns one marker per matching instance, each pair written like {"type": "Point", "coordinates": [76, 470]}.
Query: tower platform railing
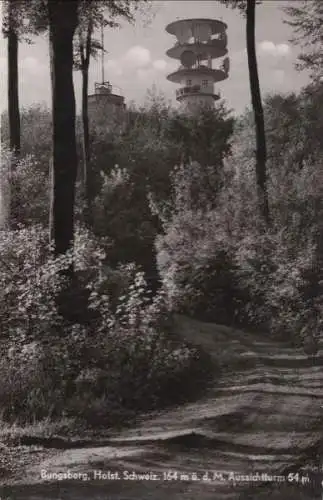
{"type": "Point", "coordinates": [195, 90]}
{"type": "Point", "coordinates": [216, 41]}
{"type": "Point", "coordinates": [106, 88]}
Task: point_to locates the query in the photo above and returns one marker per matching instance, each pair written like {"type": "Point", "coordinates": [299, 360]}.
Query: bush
{"type": "Point", "coordinates": [196, 263]}
{"type": "Point", "coordinates": [275, 283]}
{"type": "Point", "coordinates": [122, 361]}
{"type": "Point", "coordinates": [29, 283]}
{"type": "Point", "coordinates": [195, 253]}
{"type": "Point", "coordinates": [35, 379]}
{"type": "Point", "coordinates": [219, 262]}
{"type": "Point", "coordinates": [28, 181]}
{"type": "Point", "coordinates": [36, 132]}
{"type": "Point", "coordinates": [280, 269]}
{"type": "Point", "coordinates": [122, 211]}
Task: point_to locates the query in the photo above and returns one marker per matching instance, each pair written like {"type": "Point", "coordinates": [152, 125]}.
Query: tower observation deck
{"type": "Point", "coordinates": [199, 43]}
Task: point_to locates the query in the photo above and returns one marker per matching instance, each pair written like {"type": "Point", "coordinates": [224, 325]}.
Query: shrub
{"type": "Point", "coordinates": [140, 365]}
{"type": "Point", "coordinates": [28, 181]}
{"type": "Point", "coordinates": [34, 379]}
{"type": "Point", "coordinates": [121, 361]}
{"type": "Point", "coordinates": [36, 132]}
{"type": "Point", "coordinates": [196, 263]}
{"type": "Point", "coordinates": [195, 253]}
{"type": "Point", "coordinates": [122, 212]}
{"type": "Point", "coordinates": [278, 281]}
{"type": "Point", "coordinates": [219, 261]}
{"type": "Point", "coordinates": [29, 283]}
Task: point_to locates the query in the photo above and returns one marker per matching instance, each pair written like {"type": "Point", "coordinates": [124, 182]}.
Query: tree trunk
{"type": "Point", "coordinates": [86, 132]}
{"type": "Point", "coordinates": [62, 25]}
{"type": "Point", "coordinates": [13, 93]}
{"type": "Point", "coordinates": [261, 153]}
{"type": "Point", "coordinates": [86, 149]}
{"type": "Point", "coordinates": [85, 122]}
{"type": "Point", "coordinates": [14, 119]}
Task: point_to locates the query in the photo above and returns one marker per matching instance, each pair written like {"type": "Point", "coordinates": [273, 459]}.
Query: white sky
{"type": "Point", "coordinates": [136, 56]}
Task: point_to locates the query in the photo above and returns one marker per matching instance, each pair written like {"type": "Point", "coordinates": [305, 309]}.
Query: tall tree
{"type": "Point", "coordinates": [306, 19]}
{"type": "Point", "coordinates": [248, 8]}
{"type": "Point", "coordinates": [261, 150]}
{"type": "Point", "coordinates": [13, 107]}
{"type": "Point", "coordinates": [22, 18]}
{"type": "Point", "coordinates": [83, 63]}
{"type": "Point", "coordinates": [12, 28]}
{"type": "Point", "coordinates": [63, 18]}
{"type": "Point", "coordinates": [13, 94]}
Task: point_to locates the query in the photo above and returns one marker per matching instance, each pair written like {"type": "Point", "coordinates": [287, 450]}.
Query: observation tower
{"type": "Point", "coordinates": [106, 104]}
{"type": "Point", "coordinates": [199, 43]}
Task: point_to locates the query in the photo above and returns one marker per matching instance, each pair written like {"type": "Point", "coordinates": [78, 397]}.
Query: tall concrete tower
{"type": "Point", "coordinates": [199, 43]}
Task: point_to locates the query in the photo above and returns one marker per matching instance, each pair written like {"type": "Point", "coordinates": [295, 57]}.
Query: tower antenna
{"type": "Point", "coordinates": [102, 54]}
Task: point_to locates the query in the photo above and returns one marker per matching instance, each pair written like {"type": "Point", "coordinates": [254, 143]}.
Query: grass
{"type": "Point", "coordinates": [13, 433]}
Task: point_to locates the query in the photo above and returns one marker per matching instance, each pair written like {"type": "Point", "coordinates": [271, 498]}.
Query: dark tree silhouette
{"type": "Point", "coordinates": [13, 95]}
{"type": "Point", "coordinates": [261, 150]}
{"type": "Point", "coordinates": [248, 8]}
{"type": "Point", "coordinates": [63, 20]}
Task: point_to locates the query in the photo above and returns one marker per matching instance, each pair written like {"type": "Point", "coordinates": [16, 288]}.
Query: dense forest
{"type": "Point", "coordinates": [108, 234]}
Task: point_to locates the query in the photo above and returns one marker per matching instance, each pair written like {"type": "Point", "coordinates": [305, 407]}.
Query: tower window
{"type": "Point", "coordinates": [188, 83]}
{"type": "Point", "coordinates": [205, 83]}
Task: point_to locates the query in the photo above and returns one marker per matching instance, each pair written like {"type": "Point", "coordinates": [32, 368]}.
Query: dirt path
{"type": "Point", "coordinates": [262, 418]}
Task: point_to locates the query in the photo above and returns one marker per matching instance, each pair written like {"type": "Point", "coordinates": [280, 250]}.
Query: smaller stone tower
{"type": "Point", "coordinates": [106, 105]}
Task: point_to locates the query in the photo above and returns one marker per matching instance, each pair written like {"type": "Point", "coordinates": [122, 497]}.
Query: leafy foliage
{"type": "Point", "coordinates": [120, 362]}
{"type": "Point", "coordinates": [23, 188]}
{"type": "Point", "coordinates": [30, 179]}
{"type": "Point", "coordinates": [197, 268]}
{"type": "Point", "coordinates": [136, 165]}
{"type": "Point", "coordinates": [25, 17]}
{"type": "Point", "coordinates": [216, 258]}
{"type": "Point", "coordinates": [306, 19]}
{"type": "Point", "coordinates": [94, 15]}
{"type": "Point", "coordinates": [238, 4]}
{"type": "Point", "coordinates": [122, 212]}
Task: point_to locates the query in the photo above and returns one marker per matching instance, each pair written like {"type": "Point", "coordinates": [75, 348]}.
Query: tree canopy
{"type": "Point", "coordinates": [306, 19]}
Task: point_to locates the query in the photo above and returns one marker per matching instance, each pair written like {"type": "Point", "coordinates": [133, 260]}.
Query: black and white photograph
{"type": "Point", "coordinates": [161, 250]}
